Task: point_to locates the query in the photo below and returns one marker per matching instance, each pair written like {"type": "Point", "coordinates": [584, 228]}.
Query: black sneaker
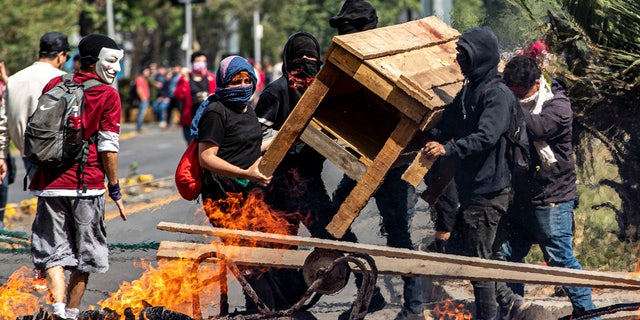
{"type": "Point", "coordinates": [377, 304]}
{"type": "Point", "coordinates": [406, 314]}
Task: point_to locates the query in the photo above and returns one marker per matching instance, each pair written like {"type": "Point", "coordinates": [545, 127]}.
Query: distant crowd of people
{"type": "Point", "coordinates": [167, 90]}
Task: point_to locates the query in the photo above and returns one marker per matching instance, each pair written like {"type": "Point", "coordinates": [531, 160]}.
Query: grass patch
{"type": "Point", "coordinates": [596, 244]}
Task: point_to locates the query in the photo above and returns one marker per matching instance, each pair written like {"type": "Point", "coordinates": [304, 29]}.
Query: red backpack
{"type": "Point", "coordinates": [189, 173]}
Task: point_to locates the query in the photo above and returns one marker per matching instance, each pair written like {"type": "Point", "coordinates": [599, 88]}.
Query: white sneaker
{"type": "Point", "coordinates": [72, 313]}
{"type": "Point", "coordinates": [58, 309]}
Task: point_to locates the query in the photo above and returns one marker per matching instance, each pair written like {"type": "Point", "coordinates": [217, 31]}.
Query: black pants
{"type": "Point", "coordinates": [480, 218]}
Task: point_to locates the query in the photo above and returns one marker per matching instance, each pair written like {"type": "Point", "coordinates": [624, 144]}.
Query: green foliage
{"type": "Point", "coordinates": [595, 218]}
{"type": "Point", "coordinates": [468, 14]}
{"type": "Point", "coordinates": [282, 18]}
{"type": "Point", "coordinates": [596, 244]}
{"type": "Point", "coordinates": [22, 23]}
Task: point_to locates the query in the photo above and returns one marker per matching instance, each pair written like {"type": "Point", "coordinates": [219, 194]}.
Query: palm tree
{"type": "Point", "coordinates": [600, 43]}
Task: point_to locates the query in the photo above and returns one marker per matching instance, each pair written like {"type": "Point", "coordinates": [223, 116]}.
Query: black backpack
{"type": "Point", "coordinates": [518, 146]}
{"type": "Point", "coordinates": [48, 141]}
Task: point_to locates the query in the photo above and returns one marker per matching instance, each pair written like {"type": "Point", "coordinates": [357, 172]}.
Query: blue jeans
{"type": "Point", "coordinates": [551, 227]}
{"type": "Point", "coordinates": [142, 109]}
{"type": "Point", "coordinates": [160, 107]}
{"type": "Point", "coordinates": [392, 201]}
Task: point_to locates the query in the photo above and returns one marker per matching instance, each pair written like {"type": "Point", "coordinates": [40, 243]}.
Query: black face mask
{"type": "Point", "coordinates": [464, 61]}
{"type": "Point", "coordinates": [347, 29]}
{"type": "Point", "coordinates": [303, 68]}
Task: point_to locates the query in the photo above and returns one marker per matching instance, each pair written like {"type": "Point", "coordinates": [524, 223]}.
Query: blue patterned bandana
{"type": "Point", "coordinates": [229, 67]}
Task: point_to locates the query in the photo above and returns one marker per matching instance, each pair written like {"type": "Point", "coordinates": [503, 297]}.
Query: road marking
{"type": "Point", "coordinates": [143, 206]}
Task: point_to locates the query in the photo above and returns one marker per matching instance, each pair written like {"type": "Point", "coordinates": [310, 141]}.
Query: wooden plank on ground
{"type": "Point", "coordinates": [372, 178]}
{"type": "Point", "coordinates": [298, 119]}
{"type": "Point", "coordinates": [327, 147]}
{"type": "Point", "coordinates": [389, 260]}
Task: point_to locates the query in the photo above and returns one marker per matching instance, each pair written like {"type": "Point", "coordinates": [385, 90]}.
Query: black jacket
{"type": "Point", "coordinates": [276, 102]}
{"type": "Point", "coordinates": [278, 99]}
{"type": "Point", "coordinates": [546, 185]}
{"type": "Point", "coordinates": [477, 122]}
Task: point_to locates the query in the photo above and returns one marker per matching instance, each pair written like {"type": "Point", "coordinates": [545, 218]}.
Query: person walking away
{"type": "Point", "coordinates": [25, 87]}
{"type": "Point", "coordinates": [393, 195]}
{"type": "Point", "coordinates": [192, 89]}
{"type": "Point", "coordinates": [68, 232]}
{"type": "Point", "coordinates": [545, 196]}
{"type": "Point", "coordinates": [143, 93]}
{"type": "Point", "coordinates": [472, 131]}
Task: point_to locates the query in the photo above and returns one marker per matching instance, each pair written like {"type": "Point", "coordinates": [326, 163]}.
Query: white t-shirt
{"type": "Point", "coordinates": [23, 90]}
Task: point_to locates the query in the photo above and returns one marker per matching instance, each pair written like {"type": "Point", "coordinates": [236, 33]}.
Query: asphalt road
{"type": "Point", "coordinates": [157, 152]}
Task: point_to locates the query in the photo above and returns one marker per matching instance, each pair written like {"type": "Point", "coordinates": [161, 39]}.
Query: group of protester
{"type": "Point", "coordinates": [217, 112]}
{"type": "Point", "coordinates": [472, 133]}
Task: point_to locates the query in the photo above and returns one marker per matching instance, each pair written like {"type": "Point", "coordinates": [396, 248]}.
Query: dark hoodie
{"type": "Point", "coordinates": [477, 122]}
{"type": "Point", "coordinates": [278, 99]}
{"type": "Point", "coordinates": [553, 125]}
{"type": "Point", "coordinates": [355, 16]}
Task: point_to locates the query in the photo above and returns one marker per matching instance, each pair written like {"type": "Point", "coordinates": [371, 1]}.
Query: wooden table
{"type": "Point", "coordinates": [376, 91]}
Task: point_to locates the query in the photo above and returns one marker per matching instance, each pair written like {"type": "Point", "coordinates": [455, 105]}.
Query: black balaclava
{"type": "Point", "coordinates": [90, 47]}
{"type": "Point", "coordinates": [355, 16]}
{"type": "Point", "coordinates": [301, 72]}
{"type": "Point", "coordinates": [481, 45]}
{"type": "Point", "coordinates": [464, 61]}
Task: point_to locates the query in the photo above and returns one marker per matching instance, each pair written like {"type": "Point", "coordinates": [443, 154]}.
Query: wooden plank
{"type": "Point", "coordinates": [412, 262]}
{"type": "Point", "coordinates": [417, 169]}
{"type": "Point", "coordinates": [397, 39]}
{"type": "Point", "coordinates": [282, 258]}
{"type": "Point", "coordinates": [432, 120]}
{"type": "Point", "coordinates": [373, 177]}
{"type": "Point", "coordinates": [382, 85]}
{"type": "Point", "coordinates": [361, 120]}
{"type": "Point", "coordinates": [254, 256]}
{"type": "Point", "coordinates": [298, 119]}
{"type": "Point", "coordinates": [327, 147]}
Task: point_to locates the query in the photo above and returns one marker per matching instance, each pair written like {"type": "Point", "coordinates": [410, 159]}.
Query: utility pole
{"type": "Point", "coordinates": [188, 33]}
{"type": "Point", "coordinates": [257, 36]}
{"type": "Point", "coordinates": [111, 31]}
{"type": "Point", "coordinates": [439, 8]}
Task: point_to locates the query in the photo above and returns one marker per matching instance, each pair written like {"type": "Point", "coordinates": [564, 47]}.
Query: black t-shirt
{"type": "Point", "coordinates": [199, 92]}
{"type": "Point", "coordinates": [238, 134]}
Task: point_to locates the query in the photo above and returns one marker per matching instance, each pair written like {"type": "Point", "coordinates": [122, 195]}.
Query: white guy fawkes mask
{"type": "Point", "coordinates": [108, 64]}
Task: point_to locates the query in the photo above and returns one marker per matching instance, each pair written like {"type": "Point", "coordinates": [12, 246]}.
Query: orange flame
{"type": "Point", "coordinates": [169, 285]}
{"type": "Point", "coordinates": [448, 311]}
{"type": "Point", "coordinates": [18, 295]}
{"type": "Point", "coordinates": [253, 214]}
